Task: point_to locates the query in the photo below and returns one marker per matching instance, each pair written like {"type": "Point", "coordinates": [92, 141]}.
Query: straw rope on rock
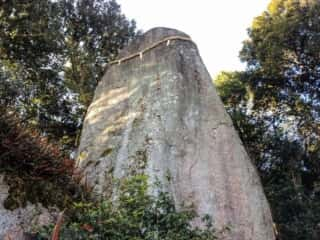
{"type": "Point", "coordinates": [140, 53]}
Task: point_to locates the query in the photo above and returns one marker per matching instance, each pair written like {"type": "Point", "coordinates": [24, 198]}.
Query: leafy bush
{"type": "Point", "coordinates": [34, 169]}
{"type": "Point", "coordinates": [134, 215]}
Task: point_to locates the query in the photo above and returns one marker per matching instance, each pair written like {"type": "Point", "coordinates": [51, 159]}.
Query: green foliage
{"type": "Point", "coordinates": [31, 59]}
{"type": "Point", "coordinates": [35, 170]}
{"type": "Point", "coordinates": [96, 30]}
{"type": "Point", "coordinates": [280, 129]}
{"type": "Point", "coordinates": [289, 169]}
{"type": "Point", "coordinates": [133, 215]}
{"type": "Point", "coordinates": [295, 210]}
{"type": "Point", "coordinates": [282, 55]}
{"type": "Point", "coordinates": [230, 86]}
{"type": "Point", "coordinates": [52, 54]}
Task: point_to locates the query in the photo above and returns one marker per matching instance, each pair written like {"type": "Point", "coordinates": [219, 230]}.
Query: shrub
{"type": "Point", "coordinates": [34, 169]}
{"type": "Point", "coordinates": [134, 215]}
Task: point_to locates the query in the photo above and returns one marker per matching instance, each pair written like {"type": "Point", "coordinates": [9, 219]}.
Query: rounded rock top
{"type": "Point", "coordinates": [148, 38]}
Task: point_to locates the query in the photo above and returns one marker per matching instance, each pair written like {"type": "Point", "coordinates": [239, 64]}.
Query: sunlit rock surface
{"type": "Point", "coordinates": [161, 115]}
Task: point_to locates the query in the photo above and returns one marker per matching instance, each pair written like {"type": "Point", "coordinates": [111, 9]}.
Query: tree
{"type": "Point", "coordinates": [280, 128]}
{"type": "Point", "coordinates": [95, 31]}
{"type": "Point", "coordinates": [282, 52]}
{"type": "Point", "coordinates": [52, 54]}
{"type": "Point", "coordinates": [35, 170]}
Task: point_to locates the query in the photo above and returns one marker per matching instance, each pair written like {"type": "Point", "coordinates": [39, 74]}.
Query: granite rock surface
{"type": "Point", "coordinates": [159, 114]}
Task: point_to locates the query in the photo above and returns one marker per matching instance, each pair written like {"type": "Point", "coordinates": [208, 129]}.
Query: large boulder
{"type": "Point", "coordinates": [158, 113]}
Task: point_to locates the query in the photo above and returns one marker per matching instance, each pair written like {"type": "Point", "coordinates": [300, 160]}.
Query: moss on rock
{"type": "Point", "coordinates": [107, 152]}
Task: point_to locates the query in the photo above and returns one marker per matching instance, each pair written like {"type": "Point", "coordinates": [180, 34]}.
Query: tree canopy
{"type": "Point", "coordinates": [52, 54]}
{"type": "Point", "coordinates": [275, 104]}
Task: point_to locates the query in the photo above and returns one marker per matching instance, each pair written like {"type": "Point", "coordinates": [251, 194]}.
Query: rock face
{"type": "Point", "coordinates": [16, 223]}
{"type": "Point", "coordinates": [159, 114]}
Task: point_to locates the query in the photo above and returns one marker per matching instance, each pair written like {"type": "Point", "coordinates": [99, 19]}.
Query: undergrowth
{"type": "Point", "coordinates": [35, 170]}
{"type": "Point", "coordinates": [132, 215]}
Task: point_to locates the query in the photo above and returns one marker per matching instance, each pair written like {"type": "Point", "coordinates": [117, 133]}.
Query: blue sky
{"type": "Point", "coordinates": [218, 27]}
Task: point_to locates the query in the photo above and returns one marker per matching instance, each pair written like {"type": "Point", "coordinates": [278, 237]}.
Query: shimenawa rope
{"type": "Point", "coordinates": [140, 53]}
